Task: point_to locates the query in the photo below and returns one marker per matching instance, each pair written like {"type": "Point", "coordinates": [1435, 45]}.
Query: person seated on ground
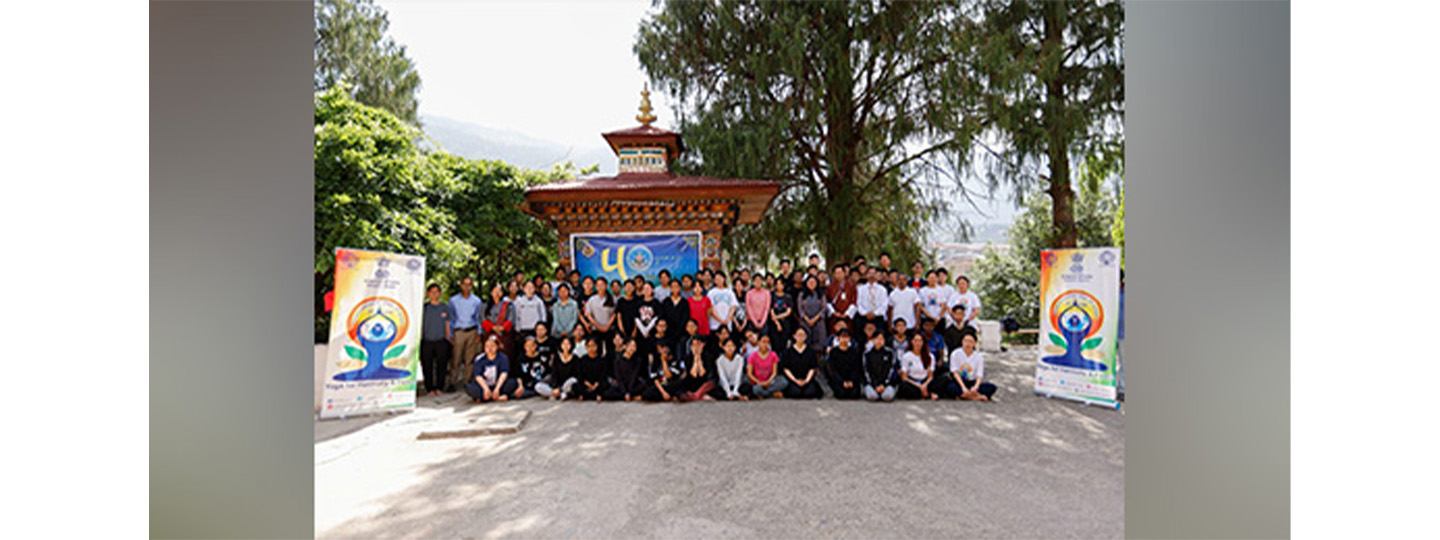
{"type": "Point", "coordinates": [752, 343]}
{"type": "Point", "coordinates": [765, 380]}
{"type": "Point", "coordinates": [712, 348]}
{"type": "Point", "coordinates": [594, 372]}
{"type": "Point", "coordinates": [879, 370]}
{"type": "Point", "coordinates": [629, 374]}
{"type": "Point", "coordinates": [846, 373]}
{"type": "Point", "coordinates": [661, 336]}
{"type": "Point", "coordinates": [935, 343]}
{"type": "Point", "coordinates": [581, 338]}
{"type": "Point", "coordinates": [534, 371]}
{"type": "Point", "coordinates": [800, 367]}
{"type": "Point", "coordinates": [967, 373]}
{"type": "Point", "coordinates": [697, 379]}
{"type": "Point", "coordinates": [730, 374]}
{"type": "Point", "coordinates": [869, 331]}
{"type": "Point", "coordinates": [490, 376]}
{"type": "Point", "coordinates": [563, 372]}
{"type": "Point", "coordinates": [662, 378]}
{"type": "Point", "coordinates": [917, 371]}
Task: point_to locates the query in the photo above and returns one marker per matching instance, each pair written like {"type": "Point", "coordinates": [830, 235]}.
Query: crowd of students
{"type": "Point", "coordinates": [858, 331]}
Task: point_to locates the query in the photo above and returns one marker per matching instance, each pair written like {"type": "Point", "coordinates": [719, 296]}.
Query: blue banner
{"type": "Point", "coordinates": [624, 257]}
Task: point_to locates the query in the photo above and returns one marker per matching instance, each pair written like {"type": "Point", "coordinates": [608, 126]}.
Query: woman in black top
{"type": "Point", "coordinates": [782, 311]}
{"type": "Point", "coordinates": [697, 379]}
{"type": "Point", "coordinates": [594, 373]}
{"type": "Point", "coordinates": [534, 369]}
{"type": "Point", "coordinates": [661, 377]}
{"type": "Point", "coordinates": [675, 310]}
{"type": "Point", "coordinates": [563, 370]}
{"type": "Point", "coordinates": [626, 309]}
{"type": "Point", "coordinates": [797, 363]}
{"type": "Point", "coordinates": [647, 313]}
{"type": "Point", "coordinates": [660, 336]}
{"type": "Point", "coordinates": [846, 374]}
{"type": "Point", "coordinates": [629, 370]}
{"type": "Point", "coordinates": [544, 341]}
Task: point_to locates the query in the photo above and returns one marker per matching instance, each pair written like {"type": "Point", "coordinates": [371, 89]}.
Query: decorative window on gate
{"type": "Point", "coordinates": [647, 159]}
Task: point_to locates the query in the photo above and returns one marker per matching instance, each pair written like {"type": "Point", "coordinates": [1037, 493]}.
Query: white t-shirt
{"type": "Point", "coordinates": [932, 301]}
{"type": "Point", "coordinates": [732, 373]}
{"type": "Point", "coordinates": [971, 302]}
{"type": "Point", "coordinates": [913, 366]}
{"type": "Point", "coordinates": [970, 366]}
{"type": "Point", "coordinates": [724, 302]}
{"type": "Point", "coordinates": [902, 305]}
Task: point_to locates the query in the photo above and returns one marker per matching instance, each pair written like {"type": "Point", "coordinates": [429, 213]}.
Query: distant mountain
{"type": "Point", "coordinates": [479, 142]}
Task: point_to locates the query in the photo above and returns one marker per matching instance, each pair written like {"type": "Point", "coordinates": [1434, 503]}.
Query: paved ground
{"type": "Point", "coordinates": [1022, 467]}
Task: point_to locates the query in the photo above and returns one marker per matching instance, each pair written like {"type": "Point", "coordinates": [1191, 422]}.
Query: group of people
{"type": "Point", "coordinates": [858, 331]}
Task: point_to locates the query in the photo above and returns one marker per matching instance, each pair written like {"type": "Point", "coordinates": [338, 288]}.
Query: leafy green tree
{"type": "Point", "coordinates": [1049, 80]}
{"type": "Point", "coordinates": [377, 188]}
{"type": "Point", "coordinates": [351, 46]}
{"type": "Point", "coordinates": [1008, 280]}
{"type": "Point", "coordinates": [839, 101]}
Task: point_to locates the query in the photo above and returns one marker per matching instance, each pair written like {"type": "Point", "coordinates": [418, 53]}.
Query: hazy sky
{"type": "Point", "coordinates": [561, 71]}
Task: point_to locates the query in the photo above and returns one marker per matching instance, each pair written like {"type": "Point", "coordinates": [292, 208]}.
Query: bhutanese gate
{"type": "Point", "coordinates": [646, 218]}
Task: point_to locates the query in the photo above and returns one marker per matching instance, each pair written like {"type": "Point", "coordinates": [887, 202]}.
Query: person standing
{"type": "Point", "coordinates": [701, 310]}
{"type": "Point", "coordinates": [811, 305]}
{"type": "Point", "coordinates": [723, 303]}
{"type": "Point", "coordinates": [757, 306]}
{"type": "Point", "coordinates": [872, 302]}
{"type": "Point", "coordinates": [662, 290]}
{"type": "Point", "coordinates": [904, 303]}
{"type": "Point", "coordinates": [436, 335]}
{"type": "Point", "coordinates": [599, 315]}
{"type": "Point", "coordinates": [499, 318]}
{"type": "Point", "coordinates": [932, 299]}
{"type": "Point", "coordinates": [840, 295]}
{"type": "Point", "coordinates": [565, 313]}
{"type": "Point", "coordinates": [465, 312]}
{"type": "Point", "coordinates": [967, 298]}
{"type": "Point", "coordinates": [647, 314]}
{"type": "Point", "coordinates": [529, 310]}
{"type": "Point", "coordinates": [675, 310]}
{"type": "Point", "coordinates": [782, 311]}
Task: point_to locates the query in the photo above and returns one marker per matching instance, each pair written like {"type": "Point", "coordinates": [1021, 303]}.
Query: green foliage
{"type": "Point", "coordinates": [1048, 80]}
{"type": "Point", "coordinates": [351, 47]}
{"type": "Point", "coordinates": [838, 101]}
{"type": "Point", "coordinates": [376, 188]}
{"type": "Point", "coordinates": [1008, 281]}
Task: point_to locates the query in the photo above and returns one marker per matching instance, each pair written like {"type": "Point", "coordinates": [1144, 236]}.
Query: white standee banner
{"type": "Point", "coordinates": [374, 345]}
{"type": "Point", "coordinates": [1079, 323]}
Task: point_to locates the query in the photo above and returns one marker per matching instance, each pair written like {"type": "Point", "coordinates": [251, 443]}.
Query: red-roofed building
{"type": "Point", "coordinates": [645, 196]}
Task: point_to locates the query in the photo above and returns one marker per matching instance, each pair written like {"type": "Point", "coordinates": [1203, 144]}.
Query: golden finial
{"type": "Point", "coordinates": [645, 117]}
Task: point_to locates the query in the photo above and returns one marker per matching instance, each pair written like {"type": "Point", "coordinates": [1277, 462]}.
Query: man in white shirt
{"type": "Point", "coordinates": [904, 302]}
{"type": "Point", "coordinates": [723, 301]}
{"type": "Point", "coordinates": [966, 297]}
{"type": "Point", "coordinates": [948, 294]}
{"type": "Point", "coordinates": [871, 302]}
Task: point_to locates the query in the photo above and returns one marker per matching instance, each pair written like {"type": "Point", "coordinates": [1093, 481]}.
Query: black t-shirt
{"type": "Point", "coordinates": [799, 363]}
{"type": "Point", "coordinates": [627, 309]}
{"type": "Point", "coordinates": [846, 363]}
{"type": "Point", "coordinates": [629, 372]}
{"type": "Point", "coordinates": [593, 369]}
{"type": "Point", "coordinates": [646, 313]}
{"type": "Point", "coordinates": [563, 371]}
{"type": "Point", "coordinates": [533, 369]}
{"type": "Point", "coordinates": [547, 346]}
{"type": "Point", "coordinates": [781, 304]}
{"type": "Point", "coordinates": [675, 315]}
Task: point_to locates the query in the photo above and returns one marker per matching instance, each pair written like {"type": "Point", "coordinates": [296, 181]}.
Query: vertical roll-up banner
{"type": "Point", "coordinates": [626, 255]}
{"type": "Point", "coordinates": [374, 346]}
{"type": "Point", "coordinates": [1079, 319]}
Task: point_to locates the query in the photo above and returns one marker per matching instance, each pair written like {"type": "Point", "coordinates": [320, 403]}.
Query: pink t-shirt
{"type": "Point", "coordinates": [757, 306]}
{"type": "Point", "coordinates": [763, 365]}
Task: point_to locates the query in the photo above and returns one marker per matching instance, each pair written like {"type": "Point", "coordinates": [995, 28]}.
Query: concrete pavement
{"type": "Point", "coordinates": [1022, 467]}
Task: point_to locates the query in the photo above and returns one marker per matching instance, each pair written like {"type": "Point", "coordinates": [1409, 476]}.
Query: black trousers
{"type": "Point", "coordinates": [507, 388]}
{"type": "Point", "coordinates": [434, 363]}
{"type": "Point", "coordinates": [906, 390]}
{"type": "Point", "coordinates": [809, 391]}
{"type": "Point", "coordinates": [651, 393]}
{"type": "Point", "coordinates": [856, 390]}
{"type": "Point", "coordinates": [952, 390]}
{"type": "Point", "coordinates": [604, 391]}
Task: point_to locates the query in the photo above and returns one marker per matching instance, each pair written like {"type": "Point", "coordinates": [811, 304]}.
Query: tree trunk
{"type": "Point", "coordinates": [1062, 197]}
